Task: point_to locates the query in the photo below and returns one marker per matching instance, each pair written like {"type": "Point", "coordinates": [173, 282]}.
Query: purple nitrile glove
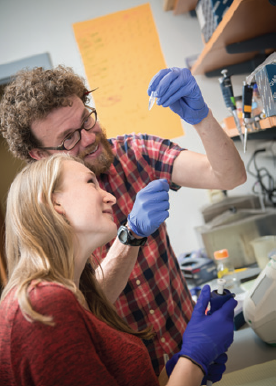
{"type": "Point", "coordinates": [206, 336]}
{"type": "Point", "coordinates": [216, 369]}
{"type": "Point", "coordinates": [150, 208]}
{"type": "Point", "coordinates": [177, 88]}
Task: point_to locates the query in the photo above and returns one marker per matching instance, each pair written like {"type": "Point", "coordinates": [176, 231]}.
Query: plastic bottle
{"type": "Point", "coordinates": [225, 269]}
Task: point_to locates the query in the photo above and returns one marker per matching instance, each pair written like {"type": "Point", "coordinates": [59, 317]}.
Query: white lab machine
{"type": "Point", "coordinates": [259, 307]}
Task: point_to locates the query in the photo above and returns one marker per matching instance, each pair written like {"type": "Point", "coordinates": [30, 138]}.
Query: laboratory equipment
{"type": "Point", "coordinates": [262, 246]}
{"type": "Point", "coordinates": [249, 102]}
{"type": "Point", "coordinates": [247, 93]}
{"type": "Point", "coordinates": [229, 99]}
{"type": "Point", "coordinates": [197, 268]}
{"type": "Point", "coordinates": [259, 307]}
{"type": "Point", "coordinates": [234, 231]}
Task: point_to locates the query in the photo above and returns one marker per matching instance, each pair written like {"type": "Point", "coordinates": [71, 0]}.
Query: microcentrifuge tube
{"type": "Point", "coordinates": [152, 99]}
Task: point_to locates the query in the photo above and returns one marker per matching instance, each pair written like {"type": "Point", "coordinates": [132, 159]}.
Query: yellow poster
{"type": "Point", "coordinates": [121, 53]}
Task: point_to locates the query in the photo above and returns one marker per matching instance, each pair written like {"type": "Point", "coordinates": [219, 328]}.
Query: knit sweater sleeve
{"type": "Point", "coordinates": [63, 354]}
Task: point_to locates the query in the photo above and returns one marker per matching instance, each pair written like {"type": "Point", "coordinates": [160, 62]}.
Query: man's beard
{"type": "Point", "coordinates": [102, 163]}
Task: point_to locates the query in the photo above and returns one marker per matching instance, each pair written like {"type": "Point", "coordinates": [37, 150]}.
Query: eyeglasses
{"type": "Point", "coordinates": [73, 138]}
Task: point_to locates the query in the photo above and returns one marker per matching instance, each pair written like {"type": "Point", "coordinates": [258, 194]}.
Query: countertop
{"type": "Point", "coordinates": [248, 350]}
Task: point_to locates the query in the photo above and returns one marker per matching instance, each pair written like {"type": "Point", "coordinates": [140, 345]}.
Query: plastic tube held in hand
{"type": "Point", "coordinates": [152, 99]}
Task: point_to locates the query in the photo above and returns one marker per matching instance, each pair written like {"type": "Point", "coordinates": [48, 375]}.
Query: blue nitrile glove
{"type": "Point", "coordinates": [177, 88]}
{"type": "Point", "coordinates": [216, 369]}
{"type": "Point", "coordinates": [217, 300]}
{"type": "Point", "coordinates": [150, 208]}
{"type": "Point", "coordinates": [206, 336]}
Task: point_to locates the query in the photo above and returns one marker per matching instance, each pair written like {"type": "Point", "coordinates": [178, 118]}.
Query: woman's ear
{"type": "Point", "coordinates": [58, 207]}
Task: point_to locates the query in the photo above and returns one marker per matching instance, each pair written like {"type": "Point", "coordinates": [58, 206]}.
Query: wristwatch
{"type": "Point", "coordinates": [125, 236]}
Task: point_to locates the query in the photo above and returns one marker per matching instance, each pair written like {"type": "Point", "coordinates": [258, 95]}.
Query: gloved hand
{"type": "Point", "coordinates": [217, 300]}
{"type": "Point", "coordinates": [177, 88]}
{"type": "Point", "coordinates": [206, 336]}
{"type": "Point", "coordinates": [216, 369]}
{"type": "Point", "coordinates": [150, 208]}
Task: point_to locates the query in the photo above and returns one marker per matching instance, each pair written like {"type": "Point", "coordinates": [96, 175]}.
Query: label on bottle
{"type": "Point", "coordinates": [223, 272]}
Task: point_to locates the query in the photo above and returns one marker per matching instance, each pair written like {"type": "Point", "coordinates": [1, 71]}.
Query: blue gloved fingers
{"type": "Point", "coordinates": [160, 196]}
{"type": "Point", "coordinates": [156, 79]}
{"type": "Point", "coordinates": [151, 221]}
{"type": "Point", "coordinates": [228, 307]}
{"type": "Point", "coordinates": [208, 336]}
{"type": "Point", "coordinates": [217, 301]}
{"type": "Point", "coordinates": [221, 359]}
{"type": "Point", "coordinates": [155, 186]}
{"type": "Point", "coordinates": [162, 183]}
{"type": "Point", "coordinates": [150, 208]}
{"type": "Point", "coordinates": [177, 88]}
{"type": "Point", "coordinates": [161, 215]}
{"type": "Point", "coordinates": [216, 369]}
{"type": "Point", "coordinates": [177, 84]}
{"type": "Point", "coordinates": [168, 86]}
{"type": "Point", "coordinates": [225, 315]}
{"type": "Point", "coordinates": [202, 301]}
{"type": "Point", "coordinates": [171, 363]}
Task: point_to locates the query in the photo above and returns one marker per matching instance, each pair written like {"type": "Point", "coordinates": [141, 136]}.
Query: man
{"type": "Point", "coordinates": [43, 112]}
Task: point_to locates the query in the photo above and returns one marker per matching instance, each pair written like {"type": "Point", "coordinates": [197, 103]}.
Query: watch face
{"type": "Point", "coordinates": [123, 236]}
{"type": "Point", "coordinates": [126, 238]}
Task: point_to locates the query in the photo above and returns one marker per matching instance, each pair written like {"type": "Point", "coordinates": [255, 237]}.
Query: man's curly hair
{"type": "Point", "coordinates": [31, 96]}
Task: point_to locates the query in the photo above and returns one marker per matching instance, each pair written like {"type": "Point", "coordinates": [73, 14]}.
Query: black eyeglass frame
{"type": "Point", "coordinates": [61, 146]}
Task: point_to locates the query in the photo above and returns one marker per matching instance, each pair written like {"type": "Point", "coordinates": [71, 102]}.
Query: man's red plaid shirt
{"type": "Point", "coordinates": [156, 293]}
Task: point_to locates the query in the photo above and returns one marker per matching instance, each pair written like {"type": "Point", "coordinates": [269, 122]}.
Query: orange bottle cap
{"type": "Point", "coordinates": [222, 254]}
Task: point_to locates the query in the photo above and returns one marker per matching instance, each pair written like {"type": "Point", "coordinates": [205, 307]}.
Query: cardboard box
{"type": "Point", "coordinates": [266, 81]}
{"type": "Point", "coordinates": [210, 14]}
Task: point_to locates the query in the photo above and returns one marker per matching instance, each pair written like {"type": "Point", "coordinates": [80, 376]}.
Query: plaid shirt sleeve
{"type": "Point", "coordinates": [156, 293]}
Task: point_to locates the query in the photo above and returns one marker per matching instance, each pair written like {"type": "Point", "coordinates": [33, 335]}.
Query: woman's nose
{"type": "Point", "coordinates": [108, 197]}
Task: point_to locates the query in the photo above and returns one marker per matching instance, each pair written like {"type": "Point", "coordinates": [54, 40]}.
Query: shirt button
{"type": "Point", "coordinates": [138, 282]}
{"type": "Point", "coordinates": [163, 340]}
{"type": "Point", "coordinates": [151, 311]}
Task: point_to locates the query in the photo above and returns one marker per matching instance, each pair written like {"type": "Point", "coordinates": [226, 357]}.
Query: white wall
{"type": "Point", "coordinates": [32, 27]}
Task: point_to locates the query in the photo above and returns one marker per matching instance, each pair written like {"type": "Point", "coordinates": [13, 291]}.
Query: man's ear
{"type": "Point", "coordinates": [38, 154]}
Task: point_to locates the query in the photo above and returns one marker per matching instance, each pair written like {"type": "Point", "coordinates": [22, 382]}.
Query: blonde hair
{"type": "Point", "coordinates": [39, 244]}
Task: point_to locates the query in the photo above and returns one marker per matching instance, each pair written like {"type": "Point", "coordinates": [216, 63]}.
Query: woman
{"type": "Point", "coordinates": [57, 326]}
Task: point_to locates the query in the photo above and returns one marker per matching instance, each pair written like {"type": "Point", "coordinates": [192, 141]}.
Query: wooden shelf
{"type": "Point", "coordinates": [267, 129]}
{"type": "Point", "coordinates": [245, 19]}
{"type": "Point", "coordinates": [184, 6]}
{"type": "Point", "coordinates": [168, 5]}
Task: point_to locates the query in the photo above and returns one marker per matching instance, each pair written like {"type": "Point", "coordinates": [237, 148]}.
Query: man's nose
{"type": "Point", "coordinates": [87, 137]}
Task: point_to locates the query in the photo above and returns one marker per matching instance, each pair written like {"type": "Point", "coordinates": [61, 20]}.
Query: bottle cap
{"type": "Point", "coordinates": [222, 254]}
